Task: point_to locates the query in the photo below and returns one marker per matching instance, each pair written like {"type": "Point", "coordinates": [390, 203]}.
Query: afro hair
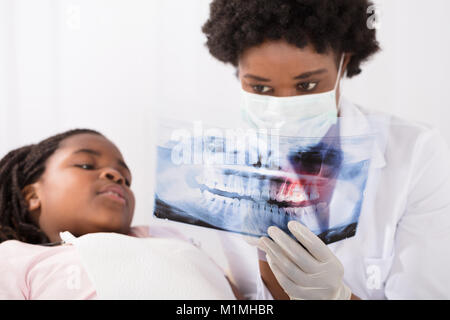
{"type": "Point", "coordinates": [339, 25]}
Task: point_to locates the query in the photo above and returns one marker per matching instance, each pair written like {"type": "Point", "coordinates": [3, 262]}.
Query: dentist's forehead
{"type": "Point", "coordinates": [280, 54]}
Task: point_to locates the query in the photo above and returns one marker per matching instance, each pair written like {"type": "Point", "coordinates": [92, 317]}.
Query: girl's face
{"type": "Point", "coordinates": [277, 68]}
{"type": "Point", "coordinates": [85, 188]}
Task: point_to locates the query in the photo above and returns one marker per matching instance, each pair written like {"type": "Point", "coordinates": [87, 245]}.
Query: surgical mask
{"type": "Point", "coordinates": [309, 116]}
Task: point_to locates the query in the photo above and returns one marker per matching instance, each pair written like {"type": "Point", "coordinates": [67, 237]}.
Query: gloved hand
{"type": "Point", "coordinates": [311, 274]}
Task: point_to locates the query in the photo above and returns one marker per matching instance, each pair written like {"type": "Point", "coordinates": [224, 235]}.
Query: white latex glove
{"type": "Point", "coordinates": [314, 273]}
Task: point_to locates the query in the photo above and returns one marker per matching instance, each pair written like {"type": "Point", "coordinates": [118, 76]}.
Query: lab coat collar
{"type": "Point", "coordinates": [354, 122]}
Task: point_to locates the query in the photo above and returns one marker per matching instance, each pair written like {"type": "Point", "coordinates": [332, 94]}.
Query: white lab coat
{"type": "Point", "coordinates": [401, 249]}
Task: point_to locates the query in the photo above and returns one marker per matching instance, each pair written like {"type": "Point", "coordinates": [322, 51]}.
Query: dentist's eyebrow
{"type": "Point", "coordinates": [309, 74]}
{"type": "Point", "coordinates": [98, 154]}
{"type": "Point", "coordinates": [257, 78]}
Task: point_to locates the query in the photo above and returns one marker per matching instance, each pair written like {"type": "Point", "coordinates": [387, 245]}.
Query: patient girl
{"type": "Point", "coordinates": [76, 181]}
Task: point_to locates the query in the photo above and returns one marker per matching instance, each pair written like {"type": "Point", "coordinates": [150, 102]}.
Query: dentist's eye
{"type": "Point", "coordinates": [260, 89]}
{"type": "Point", "coordinates": [85, 166]}
{"type": "Point", "coordinates": [307, 86]}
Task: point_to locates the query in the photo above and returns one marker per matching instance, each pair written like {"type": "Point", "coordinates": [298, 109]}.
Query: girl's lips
{"type": "Point", "coordinates": [114, 192]}
{"type": "Point", "coordinates": [114, 196]}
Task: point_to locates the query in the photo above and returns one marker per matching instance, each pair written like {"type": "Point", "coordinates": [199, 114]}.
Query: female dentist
{"type": "Point", "coordinates": [292, 52]}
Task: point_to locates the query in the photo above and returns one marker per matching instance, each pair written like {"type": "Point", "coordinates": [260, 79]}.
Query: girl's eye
{"type": "Point", "coordinates": [86, 166]}
{"type": "Point", "coordinates": [307, 86]}
{"type": "Point", "coordinates": [260, 89]}
{"type": "Point", "coordinates": [127, 182]}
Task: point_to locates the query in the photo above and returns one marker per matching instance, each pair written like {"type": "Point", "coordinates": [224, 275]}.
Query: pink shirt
{"type": "Point", "coordinates": [30, 271]}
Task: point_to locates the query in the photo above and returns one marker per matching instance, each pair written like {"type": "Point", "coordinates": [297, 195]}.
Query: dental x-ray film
{"type": "Point", "coordinates": [245, 181]}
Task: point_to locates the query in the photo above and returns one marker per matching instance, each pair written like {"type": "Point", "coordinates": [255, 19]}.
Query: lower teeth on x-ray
{"type": "Point", "coordinates": [312, 181]}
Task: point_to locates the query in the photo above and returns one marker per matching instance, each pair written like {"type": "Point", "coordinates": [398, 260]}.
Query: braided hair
{"type": "Point", "coordinates": [18, 169]}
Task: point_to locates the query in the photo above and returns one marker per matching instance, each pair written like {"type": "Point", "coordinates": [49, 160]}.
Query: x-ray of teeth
{"type": "Point", "coordinates": [266, 181]}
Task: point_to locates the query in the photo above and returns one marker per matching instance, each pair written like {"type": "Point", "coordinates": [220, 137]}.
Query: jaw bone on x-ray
{"type": "Point", "coordinates": [246, 181]}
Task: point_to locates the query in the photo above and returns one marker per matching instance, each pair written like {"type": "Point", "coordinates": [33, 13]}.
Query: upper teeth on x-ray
{"type": "Point", "coordinates": [309, 180]}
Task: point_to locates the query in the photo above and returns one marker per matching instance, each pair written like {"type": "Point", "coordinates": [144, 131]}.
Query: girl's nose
{"type": "Point", "coordinates": [113, 175]}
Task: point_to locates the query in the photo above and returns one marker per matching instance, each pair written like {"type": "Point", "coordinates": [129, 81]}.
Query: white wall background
{"type": "Point", "coordinates": [113, 65]}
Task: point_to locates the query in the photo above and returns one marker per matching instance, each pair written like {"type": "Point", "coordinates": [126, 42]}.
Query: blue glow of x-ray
{"type": "Point", "coordinates": [317, 182]}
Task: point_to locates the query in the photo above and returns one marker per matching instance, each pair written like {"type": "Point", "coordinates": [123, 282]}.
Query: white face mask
{"type": "Point", "coordinates": [305, 116]}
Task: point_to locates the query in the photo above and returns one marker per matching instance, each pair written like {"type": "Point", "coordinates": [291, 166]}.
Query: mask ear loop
{"type": "Point", "coordinates": [338, 81]}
